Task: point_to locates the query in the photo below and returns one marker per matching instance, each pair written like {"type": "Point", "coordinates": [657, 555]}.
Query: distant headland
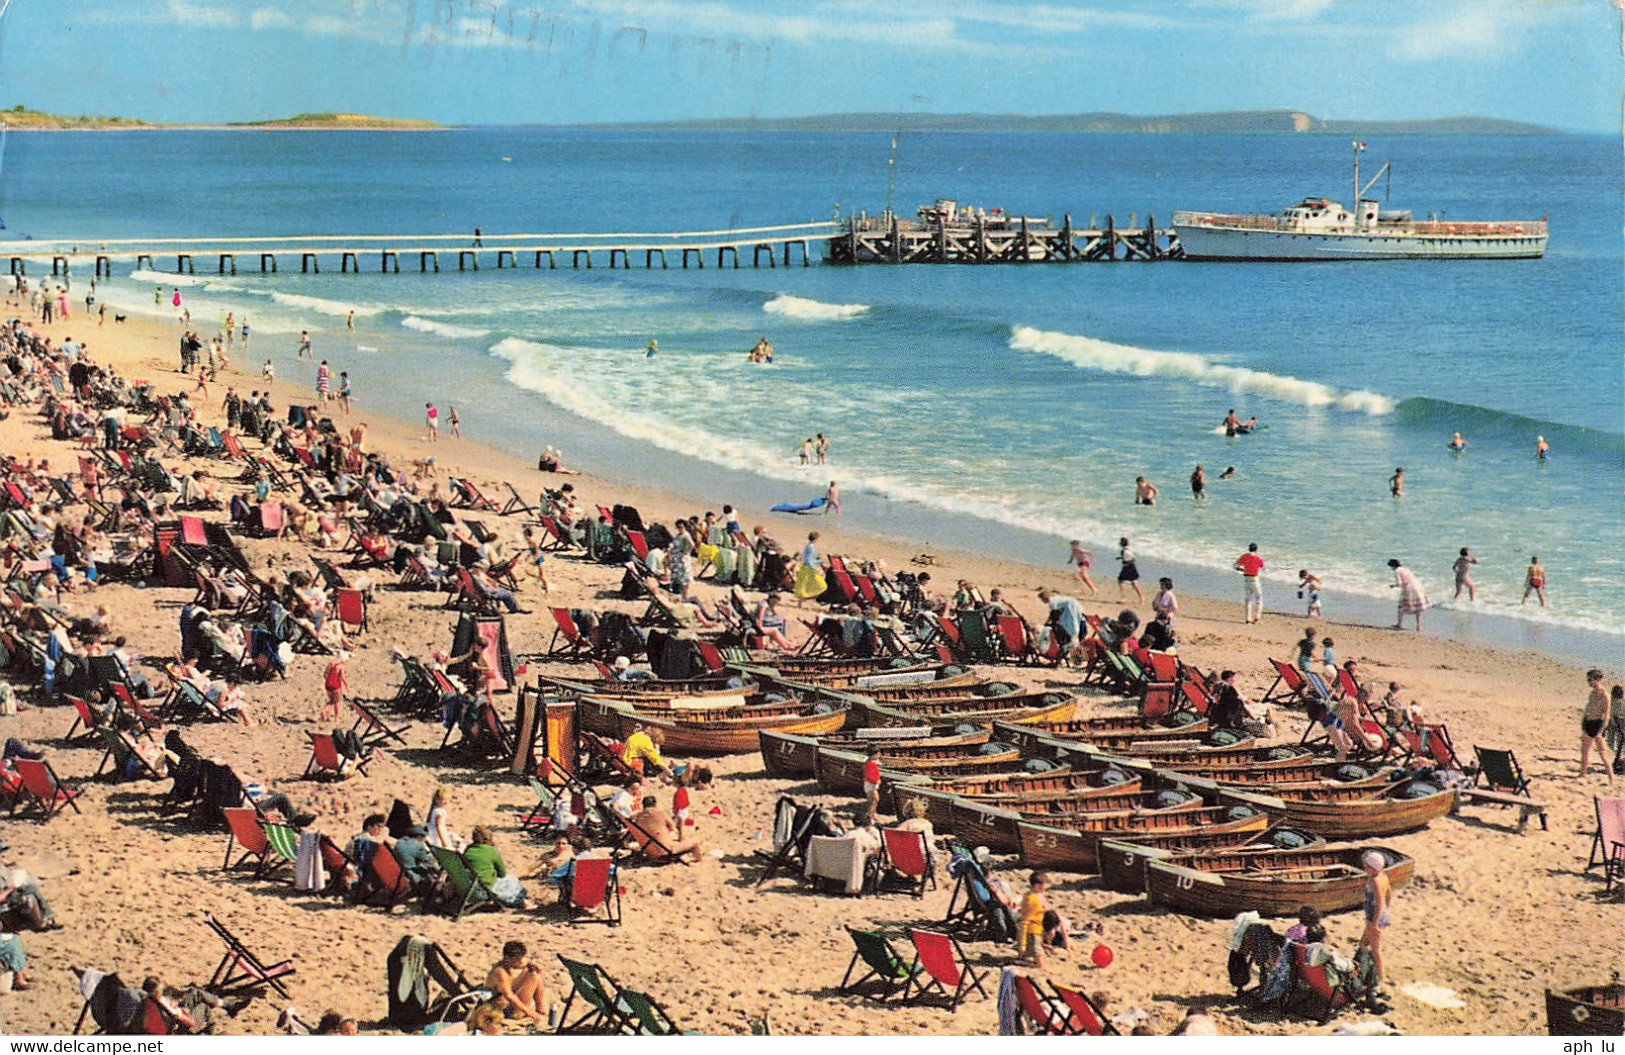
{"type": "Point", "coordinates": [24, 119]}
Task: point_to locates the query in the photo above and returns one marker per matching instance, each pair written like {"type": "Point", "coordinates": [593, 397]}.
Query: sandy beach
{"type": "Point", "coordinates": [1492, 915]}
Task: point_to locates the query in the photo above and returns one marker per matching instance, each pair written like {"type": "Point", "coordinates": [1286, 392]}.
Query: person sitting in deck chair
{"type": "Point", "coordinates": [642, 751]}
{"type": "Point", "coordinates": [664, 838]}
{"type": "Point", "coordinates": [775, 628]}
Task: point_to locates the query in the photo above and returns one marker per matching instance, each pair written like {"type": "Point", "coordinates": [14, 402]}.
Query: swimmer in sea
{"type": "Point", "coordinates": [1247, 427]}
{"type": "Point", "coordinates": [1396, 483]}
{"type": "Point", "coordinates": [1542, 448]}
{"type": "Point", "coordinates": [1229, 473]}
{"type": "Point", "coordinates": [649, 352]}
{"type": "Point", "coordinates": [1145, 492]}
{"type": "Point", "coordinates": [1199, 484]}
{"type": "Point", "coordinates": [1457, 444]}
{"type": "Point", "coordinates": [1534, 582]}
{"type": "Point", "coordinates": [1232, 424]}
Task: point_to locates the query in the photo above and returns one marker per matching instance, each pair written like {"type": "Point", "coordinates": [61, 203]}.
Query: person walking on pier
{"type": "Point", "coordinates": [478, 241]}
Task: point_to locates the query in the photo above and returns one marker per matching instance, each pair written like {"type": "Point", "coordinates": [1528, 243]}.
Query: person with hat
{"type": "Point", "coordinates": [413, 855]}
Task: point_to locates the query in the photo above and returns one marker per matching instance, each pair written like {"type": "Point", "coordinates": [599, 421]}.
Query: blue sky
{"type": "Point", "coordinates": [1553, 62]}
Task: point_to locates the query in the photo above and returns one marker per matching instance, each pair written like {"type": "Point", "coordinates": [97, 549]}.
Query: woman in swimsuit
{"type": "Point", "coordinates": [1379, 897]}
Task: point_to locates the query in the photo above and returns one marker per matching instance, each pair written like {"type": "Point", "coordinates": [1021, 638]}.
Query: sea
{"type": "Point", "coordinates": [1006, 409]}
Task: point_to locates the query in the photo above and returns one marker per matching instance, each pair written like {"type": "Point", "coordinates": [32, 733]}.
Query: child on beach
{"type": "Point", "coordinates": [1083, 559]}
{"type": "Point", "coordinates": [1309, 585]}
{"type": "Point", "coordinates": [871, 781]}
{"type": "Point", "coordinates": [680, 804]}
{"type": "Point", "coordinates": [1464, 575]}
{"type": "Point", "coordinates": [1033, 911]}
{"type": "Point", "coordinates": [337, 683]}
{"type": "Point", "coordinates": [1129, 573]}
{"type": "Point", "coordinates": [268, 371]}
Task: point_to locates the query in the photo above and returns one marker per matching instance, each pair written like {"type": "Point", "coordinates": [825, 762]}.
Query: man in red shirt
{"type": "Point", "coordinates": [1250, 564]}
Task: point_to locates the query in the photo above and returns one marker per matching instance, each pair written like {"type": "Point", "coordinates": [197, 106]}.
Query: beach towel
{"type": "Point", "coordinates": [1009, 1005]}
{"type": "Point", "coordinates": [809, 583]}
{"type": "Point", "coordinates": [806, 507]}
{"type": "Point", "coordinates": [837, 858]}
{"type": "Point", "coordinates": [309, 874]}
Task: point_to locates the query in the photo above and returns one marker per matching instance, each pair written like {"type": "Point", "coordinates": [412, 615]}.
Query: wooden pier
{"type": "Point", "coordinates": [784, 244]}
{"type": "Point", "coordinates": [939, 240]}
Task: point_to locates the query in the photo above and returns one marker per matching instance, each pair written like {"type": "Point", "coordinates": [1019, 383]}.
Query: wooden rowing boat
{"type": "Point", "coordinates": [841, 772]}
{"type": "Point", "coordinates": [726, 684]}
{"type": "Point", "coordinates": [1316, 773]}
{"type": "Point", "coordinates": [1123, 861]}
{"type": "Point", "coordinates": [801, 668]}
{"type": "Point", "coordinates": [1115, 729]}
{"type": "Point", "coordinates": [1018, 707]}
{"type": "Point", "coordinates": [730, 732]}
{"type": "Point", "coordinates": [1586, 1011]}
{"type": "Point", "coordinates": [990, 820]}
{"type": "Point", "coordinates": [966, 687]}
{"type": "Point", "coordinates": [1360, 812]}
{"type": "Point", "coordinates": [793, 755]}
{"type": "Point", "coordinates": [1070, 843]}
{"type": "Point", "coordinates": [1269, 882]}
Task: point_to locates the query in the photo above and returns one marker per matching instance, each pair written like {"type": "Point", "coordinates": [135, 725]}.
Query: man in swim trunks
{"type": "Point", "coordinates": [1396, 483]}
{"type": "Point", "coordinates": [1591, 722]}
{"type": "Point", "coordinates": [518, 985]}
{"type": "Point", "coordinates": [1199, 484]}
{"type": "Point", "coordinates": [1145, 492]}
{"type": "Point", "coordinates": [1534, 582]}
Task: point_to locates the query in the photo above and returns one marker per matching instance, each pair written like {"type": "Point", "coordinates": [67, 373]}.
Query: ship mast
{"type": "Point", "coordinates": [1358, 147]}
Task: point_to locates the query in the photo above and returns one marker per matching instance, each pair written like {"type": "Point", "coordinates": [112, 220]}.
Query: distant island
{"type": "Point", "coordinates": [22, 118]}
{"type": "Point", "coordinates": [1233, 122]}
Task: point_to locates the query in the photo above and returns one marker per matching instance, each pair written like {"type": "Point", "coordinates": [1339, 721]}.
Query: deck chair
{"type": "Point", "coordinates": [387, 880]}
{"type": "Point", "coordinates": [467, 891]}
{"type": "Point", "coordinates": [1499, 770]}
{"type": "Point", "coordinates": [1433, 741]}
{"type": "Point", "coordinates": [445, 994]}
{"type": "Point", "coordinates": [1046, 1013]}
{"type": "Point", "coordinates": [791, 822]}
{"type": "Point", "coordinates": [102, 1004]}
{"type": "Point", "coordinates": [119, 749]}
{"type": "Point", "coordinates": [284, 842]}
{"type": "Point", "coordinates": [648, 1019]}
{"type": "Point", "coordinates": [602, 1010]}
{"type": "Point", "coordinates": [539, 816]}
{"type": "Point", "coordinates": [645, 848]}
{"type": "Point", "coordinates": [246, 832]}
{"type": "Point", "coordinates": [1084, 1016]}
{"type": "Point", "coordinates": [889, 973]}
{"type": "Point", "coordinates": [973, 910]}
{"type": "Point", "coordinates": [372, 730]}
{"type": "Point", "coordinates": [85, 727]}
{"type": "Point", "coordinates": [554, 536]}
{"type": "Point", "coordinates": [1288, 687]}
{"type": "Point", "coordinates": [1608, 844]}
{"type": "Point", "coordinates": [1317, 984]}
{"type": "Point", "coordinates": [974, 637]}
{"type": "Point", "coordinates": [941, 970]}
{"type": "Point", "coordinates": [472, 498]}
{"type": "Point", "coordinates": [575, 644]}
{"type": "Point", "coordinates": [241, 971]}
{"type": "Point", "coordinates": [595, 885]}
{"type": "Point", "coordinates": [516, 503]}
{"type": "Point", "coordinates": [909, 858]}
{"type": "Point", "coordinates": [43, 789]}
{"type": "Point", "coordinates": [351, 608]}
{"type": "Point", "coordinates": [325, 757]}
{"type": "Point", "coordinates": [603, 761]}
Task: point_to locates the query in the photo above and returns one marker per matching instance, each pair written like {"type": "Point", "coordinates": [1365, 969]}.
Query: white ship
{"type": "Point", "coordinates": [1319, 229]}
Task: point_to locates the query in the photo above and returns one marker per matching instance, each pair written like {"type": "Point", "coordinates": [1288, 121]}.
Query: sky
{"type": "Point", "coordinates": [1551, 62]}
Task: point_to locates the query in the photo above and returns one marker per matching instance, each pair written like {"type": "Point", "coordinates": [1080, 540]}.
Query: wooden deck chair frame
{"type": "Point", "coordinates": [246, 831]}
{"type": "Point", "coordinates": [787, 856]}
{"type": "Point", "coordinates": [932, 945]}
{"type": "Point", "coordinates": [1508, 775]}
{"type": "Point", "coordinates": [516, 503]}
{"type": "Point", "coordinates": [85, 727]}
{"type": "Point", "coordinates": [890, 973]}
{"type": "Point", "coordinates": [646, 1017]}
{"type": "Point", "coordinates": [468, 892]}
{"type": "Point", "coordinates": [973, 917]}
{"type": "Point", "coordinates": [603, 762]}
{"type": "Point", "coordinates": [372, 730]}
{"type": "Point", "coordinates": [42, 786]}
{"type": "Point", "coordinates": [1084, 1016]}
{"type": "Point", "coordinates": [903, 847]}
{"type": "Point", "coordinates": [1046, 1013]}
{"type": "Point", "coordinates": [391, 881]}
{"type": "Point", "coordinates": [240, 970]}
{"type": "Point", "coordinates": [1289, 678]}
{"type": "Point", "coordinates": [604, 1013]}
{"type": "Point", "coordinates": [604, 891]}
{"type": "Point", "coordinates": [118, 747]}
{"type": "Point", "coordinates": [325, 757]}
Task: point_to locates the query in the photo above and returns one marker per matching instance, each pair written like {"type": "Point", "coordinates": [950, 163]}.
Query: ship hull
{"type": "Point", "coordinates": [1210, 243]}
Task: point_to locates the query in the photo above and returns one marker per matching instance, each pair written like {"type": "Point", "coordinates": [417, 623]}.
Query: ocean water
{"type": "Point", "coordinates": [1007, 408]}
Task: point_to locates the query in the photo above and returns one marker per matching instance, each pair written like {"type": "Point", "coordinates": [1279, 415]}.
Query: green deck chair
{"type": "Point", "coordinates": [649, 1019]}
{"type": "Point", "coordinates": [890, 972]}
{"type": "Point", "coordinates": [973, 635]}
{"type": "Point", "coordinates": [467, 891]}
{"type": "Point", "coordinates": [603, 1011]}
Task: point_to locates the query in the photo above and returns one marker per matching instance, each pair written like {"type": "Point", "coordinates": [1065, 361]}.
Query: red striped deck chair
{"type": "Point", "coordinates": [241, 971]}
{"type": "Point", "coordinates": [639, 545]}
{"type": "Point", "coordinates": [866, 589]}
{"type": "Point", "coordinates": [944, 971]}
{"type": "Point", "coordinates": [574, 643]}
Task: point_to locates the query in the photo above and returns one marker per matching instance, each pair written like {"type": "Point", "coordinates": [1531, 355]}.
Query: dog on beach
{"type": "Point", "coordinates": [119, 318]}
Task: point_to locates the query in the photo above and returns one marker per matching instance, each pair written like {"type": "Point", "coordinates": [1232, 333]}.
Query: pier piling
{"type": "Point", "coordinates": [267, 259]}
